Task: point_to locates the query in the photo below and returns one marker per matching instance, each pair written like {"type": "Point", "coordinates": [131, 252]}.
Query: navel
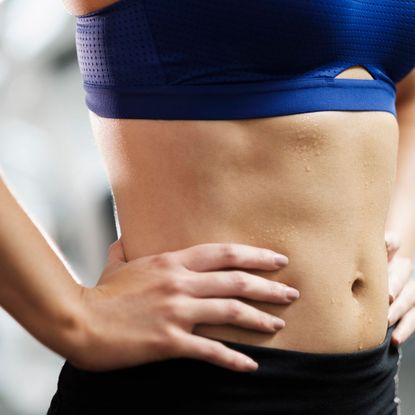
{"type": "Point", "coordinates": [358, 283]}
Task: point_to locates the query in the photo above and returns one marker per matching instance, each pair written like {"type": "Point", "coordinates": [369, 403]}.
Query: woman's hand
{"type": "Point", "coordinates": [401, 291]}
{"type": "Point", "coordinates": [145, 310]}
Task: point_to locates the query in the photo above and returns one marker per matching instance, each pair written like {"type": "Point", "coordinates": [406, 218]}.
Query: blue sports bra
{"type": "Point", "coordinates": [233, 59]}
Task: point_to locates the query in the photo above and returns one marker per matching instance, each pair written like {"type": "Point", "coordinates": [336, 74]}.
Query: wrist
{"type": "Point", "coordinates": [84, 335]}
{"type": "Point", "coordinates": [72, 328]}
{"type": "Point", "coordinates": [77, 330]}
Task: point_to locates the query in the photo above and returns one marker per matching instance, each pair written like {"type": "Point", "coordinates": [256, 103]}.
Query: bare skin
{"type": "Point", "coordinates": [110, 326]}
{"type": "Point", "coordinates": [98, 328]}
{"type": "Point", "coordinates": [314, 187]}
{"type": "Point", "coordinates": [78, 7]}
{"type": "Point", "coordinates": [401, 218]}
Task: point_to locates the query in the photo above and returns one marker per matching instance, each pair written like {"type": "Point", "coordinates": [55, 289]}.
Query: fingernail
{"type": "Point", "coordinates": [280, 260]}
{"type": "Point", "coordinates": [251, 364]}
{"type": "Point", "coordinates": [278, 323]}
{"type": "Point", "coordinates": [292, 293]}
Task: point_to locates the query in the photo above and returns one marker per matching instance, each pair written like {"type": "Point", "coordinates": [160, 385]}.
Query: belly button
{"type": "Point", "coordinates": [358, 283]}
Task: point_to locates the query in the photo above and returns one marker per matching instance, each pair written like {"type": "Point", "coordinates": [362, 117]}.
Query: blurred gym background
{"type": "Point", "coordinates": [49, 158]}
{"type": "Point", "coordinates": [50, 161]}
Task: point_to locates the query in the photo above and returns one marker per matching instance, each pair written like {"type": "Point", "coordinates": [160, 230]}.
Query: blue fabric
{"type": "Point", "coordinates": [230, 59]}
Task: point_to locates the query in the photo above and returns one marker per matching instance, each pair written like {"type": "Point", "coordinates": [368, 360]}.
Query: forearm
{"type": "Point", "coordinates": [36, 287]}
{"type": "Point", "coordinates": [401, 215]}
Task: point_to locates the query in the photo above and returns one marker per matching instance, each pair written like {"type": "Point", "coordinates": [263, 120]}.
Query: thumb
{"type": "Point", "coordinates": [115, 258]}
{"type": "Point", "coordinates": [115, 253]}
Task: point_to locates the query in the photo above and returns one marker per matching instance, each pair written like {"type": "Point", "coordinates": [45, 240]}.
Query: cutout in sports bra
{"type": "Point", "coordinates": [234, 59]}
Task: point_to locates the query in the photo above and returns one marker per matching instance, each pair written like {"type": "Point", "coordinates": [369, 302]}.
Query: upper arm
{"type": "Point", "coordinates": [405, 89]}
{"type": "Point", "coordinates": [80, 7]}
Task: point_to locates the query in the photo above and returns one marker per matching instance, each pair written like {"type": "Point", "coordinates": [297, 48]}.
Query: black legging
{"type": "Point", "coordinates": [287, 382]}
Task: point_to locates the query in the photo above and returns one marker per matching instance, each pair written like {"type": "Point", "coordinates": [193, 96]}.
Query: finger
{"type": "Point", "coordinates": [232, 311]}
{"type": "Point", "coordinates": [239, 284]}
{"type": "Point", "coordinates": [212, 256]}
{"type": "Point", "coordinates": [392, 244]}
{"type": "Point", "coordinates": [399, 271]}
{"type": "Point", "coordinates": [404, 302]}
{"type": "Point", "coordinates": [405, 328]}
{"type": "Point", "coordinates": [215, 352]}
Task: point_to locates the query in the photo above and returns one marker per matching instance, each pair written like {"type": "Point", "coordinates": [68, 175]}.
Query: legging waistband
{"type": "Point", "coordinates": [287, 382]}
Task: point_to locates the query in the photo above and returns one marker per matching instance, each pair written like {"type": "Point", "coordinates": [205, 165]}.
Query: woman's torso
{"type": "Point", "coordinates": [313, 186]}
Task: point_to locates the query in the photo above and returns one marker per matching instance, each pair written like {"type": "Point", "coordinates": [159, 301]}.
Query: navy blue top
{"type": "Point", "coordinates": [230, 59]}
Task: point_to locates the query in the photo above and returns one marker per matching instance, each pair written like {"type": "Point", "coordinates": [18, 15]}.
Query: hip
{"type": "Point", "coordinates": [286, 382]}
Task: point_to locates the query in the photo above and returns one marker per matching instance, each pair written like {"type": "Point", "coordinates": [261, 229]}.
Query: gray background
{"type": "Point", "coordinates": [49, 157]}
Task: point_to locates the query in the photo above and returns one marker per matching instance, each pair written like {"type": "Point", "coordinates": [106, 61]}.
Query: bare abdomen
{"type": "Point", "coordinates": [315, 187]}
